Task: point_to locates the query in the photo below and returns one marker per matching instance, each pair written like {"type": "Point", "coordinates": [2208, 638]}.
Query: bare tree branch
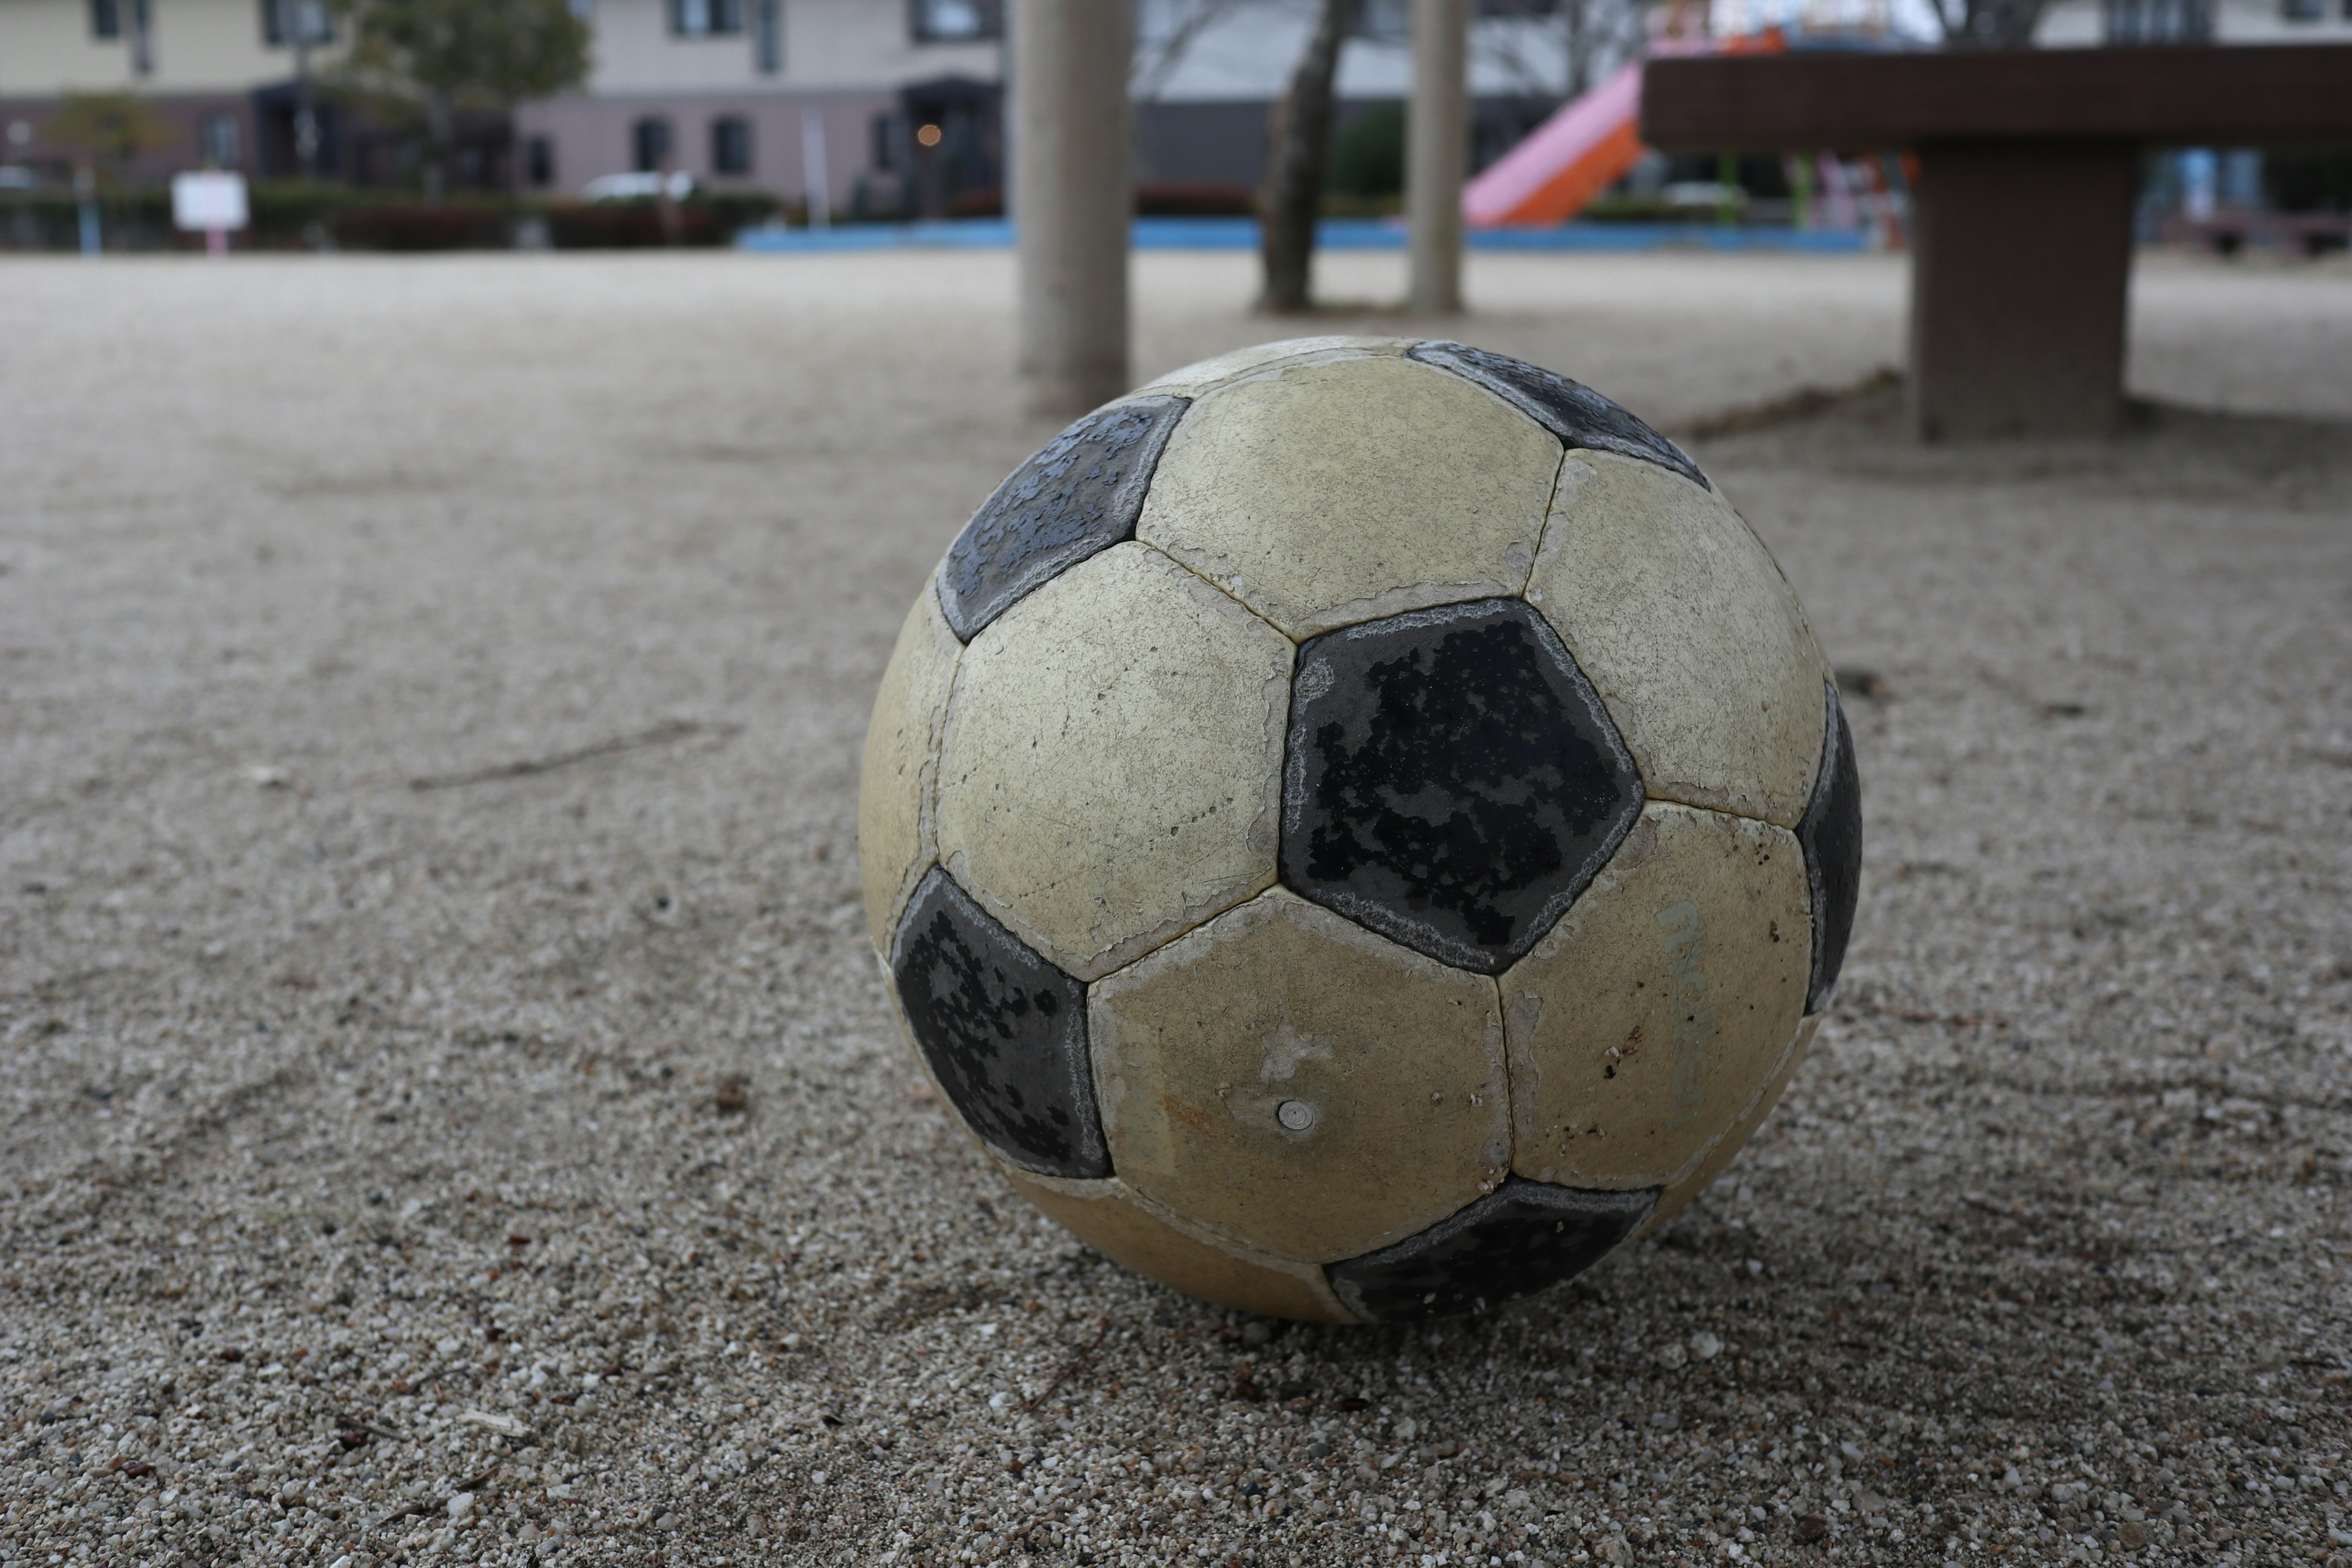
{"type": "Point", "coordinates": [1158, 60]}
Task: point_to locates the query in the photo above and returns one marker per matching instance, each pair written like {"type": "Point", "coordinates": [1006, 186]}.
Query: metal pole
{"type": "Point", "coordinates": [1438, 152]}
{"type": "Point", "coordinates": [1074, 199]}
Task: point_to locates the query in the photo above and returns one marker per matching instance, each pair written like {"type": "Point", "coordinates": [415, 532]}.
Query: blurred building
{"type": "Point", "coordinates": [222, 80]}
{"type": "Point", "coordinates": [894, 107]}
{"type": "Point", "coordinates": [905, 96]}
{"type": "Point", "coordinates": [892, 103]}
{"type": "Point", "coordinates": [216, 75]}
{"type": "Point", "coordinates": [2078, 23]}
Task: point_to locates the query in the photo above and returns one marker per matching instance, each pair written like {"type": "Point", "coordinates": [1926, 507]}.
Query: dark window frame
{"type": "Point", "coordinates": [988, 25]}
{"type": "Point", "coordinates": [705, 18]}
{"type": "Point", "coordinates": [279, 18]}
{"type": "Point", "coordinates": [106, 18]}
{"type": "Point", "coordinates": [738, 127]}
{"type": "Point", "coordinates": [218, 132]}
{"type": "Point", "coordinates": [1382, 22]}
{"type": "Point", "coordinates": [653, 143]}
{"type": "Point", "coordinates": [768, 37]}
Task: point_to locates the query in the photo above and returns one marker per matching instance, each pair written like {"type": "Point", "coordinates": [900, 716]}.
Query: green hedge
{"type": "Point", "coordinates": [420, 227]}
{"type": "Point", "coordinates": [711, 219]}
{"type": "Point", "coordinates": [1368, 155]}
{"type": "Point", "coordinates": [51, 220]}
{"type": "Point", "coordinates": [292, 216]}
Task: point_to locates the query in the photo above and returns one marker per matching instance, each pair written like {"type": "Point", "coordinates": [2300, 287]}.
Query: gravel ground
{"type": "Point", "coordinates": [450, 1113]}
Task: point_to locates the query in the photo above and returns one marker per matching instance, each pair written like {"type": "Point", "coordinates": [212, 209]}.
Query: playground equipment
{"type": "Point", "coordinates": [1584, 149]}
{"type": "Point", "coordinates": [1565, 161]}
{"type": "Point", "coordinates": [2027, 162]}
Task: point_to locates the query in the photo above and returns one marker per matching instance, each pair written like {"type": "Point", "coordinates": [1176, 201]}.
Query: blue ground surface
{"type": "Point", "coordinates": [1333, 234]}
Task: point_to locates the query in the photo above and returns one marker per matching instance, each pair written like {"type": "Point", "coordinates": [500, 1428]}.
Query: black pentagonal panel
{"type": "Point", "coordinates": [1831, 835]}
{"type": "Point", "coordinates": [1005, 1031]}
{"type": "Point", "coordinates": [1077, 496]}
{"type": "Point", "coordinates": [1569, 409]}
{"type": "Point", "coordinates": [1522, 1237]}
{"type": "Point", "coordinates": [1452, 780]}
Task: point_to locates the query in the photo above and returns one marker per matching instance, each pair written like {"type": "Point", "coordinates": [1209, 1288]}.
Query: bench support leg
{"type": "Point", "coordinates": [2022, 255]}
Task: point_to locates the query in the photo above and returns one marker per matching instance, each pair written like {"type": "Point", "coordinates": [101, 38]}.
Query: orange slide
{"type": "Point", "coordinates": [1581, 151]}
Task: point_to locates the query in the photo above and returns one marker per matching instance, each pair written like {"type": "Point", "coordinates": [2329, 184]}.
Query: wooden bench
{"type": "Point", "coordinates": [2028, 170]}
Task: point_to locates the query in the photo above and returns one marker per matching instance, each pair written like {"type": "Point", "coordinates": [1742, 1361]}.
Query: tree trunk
{"type": "Point", "coordinates": [1293, 198]}
{"type": "Point", "coordinates": [1579, 48]}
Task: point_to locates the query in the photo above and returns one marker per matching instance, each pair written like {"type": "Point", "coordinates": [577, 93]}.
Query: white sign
{"type": "Point", "coordinates": [210, 201]}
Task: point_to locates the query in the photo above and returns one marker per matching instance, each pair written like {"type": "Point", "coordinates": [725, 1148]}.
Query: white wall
{"type": "Point", "coordinates": [195, 47]}
{"type": "Point", "coordinates": [829, 44]}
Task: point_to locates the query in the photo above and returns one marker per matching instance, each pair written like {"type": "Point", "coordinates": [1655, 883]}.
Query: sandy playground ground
{"type": "Point", "coordinates": [450, 1112]}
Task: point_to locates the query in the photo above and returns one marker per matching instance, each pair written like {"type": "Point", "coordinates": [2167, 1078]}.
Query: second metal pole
{"type": "Point", "coordinates": [1437, 153]}
{"type": "Point", "coordinates": [1072, 198]}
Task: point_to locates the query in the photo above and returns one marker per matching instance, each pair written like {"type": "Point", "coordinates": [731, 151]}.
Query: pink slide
{"type": "Point", "coordinates": [1565, 161]}
{"type": "Point", "coordinates": [1585, 148]}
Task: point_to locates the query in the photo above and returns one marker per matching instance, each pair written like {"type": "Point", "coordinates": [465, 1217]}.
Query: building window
{"type": "Point", "coordinates": [955, 21]}
{"type": "Point", "coordinates": [706, 18]}
{"type": "Point", "coordinates": [221, 138]}
{"type": "Point", "coordinates": [1385, 21]}
{"type": "Point", "coordinates": [2159, 21]}
{"type": "Point", "coordinates": [768, 42]}
{"type": "Point", "coordinates": [731, 145]}
{"type": "Point", "coordinates": [539, 161]}
{"type": "Point", "coordinates": [2304, 10]}
{"type": "Point", "coordinates": [650, 141]}
{"type": "Point", "coordinates": [105, 19]}
{"type": "Point", "coordinates": [280, 19]}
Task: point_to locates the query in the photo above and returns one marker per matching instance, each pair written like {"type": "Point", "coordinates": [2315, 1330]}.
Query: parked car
{"type": "Point", "coordinates": [639, 187]}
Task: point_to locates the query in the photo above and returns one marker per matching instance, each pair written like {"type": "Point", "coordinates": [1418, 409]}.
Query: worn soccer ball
{"type": "Point", "coordinates": [1357, 830]}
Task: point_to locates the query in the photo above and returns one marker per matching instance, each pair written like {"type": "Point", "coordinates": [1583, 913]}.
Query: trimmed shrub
{"type": "Point", "coordinates": [417, 227]}
{"type": "Point", "coordinates": [1368, 156]}
{"type": "Point", "coordinates": [703, 219]}
{"type": "Point", "coordinates": [628, 226]}
{"type": "Point", "coordinates": [1194, 198]}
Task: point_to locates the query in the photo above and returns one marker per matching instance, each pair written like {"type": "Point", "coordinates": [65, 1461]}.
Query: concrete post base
{"type": "Point", "coordinates": [2021, 254]}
